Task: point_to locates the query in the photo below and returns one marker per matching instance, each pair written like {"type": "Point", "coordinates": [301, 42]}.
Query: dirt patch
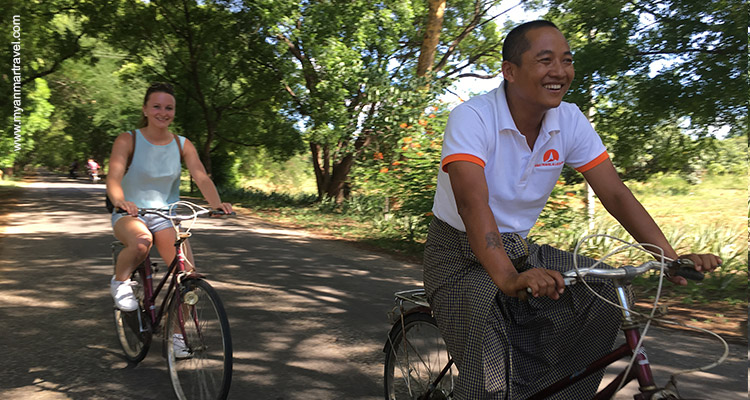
{"type": "Point", "coordinates": [729, 321]}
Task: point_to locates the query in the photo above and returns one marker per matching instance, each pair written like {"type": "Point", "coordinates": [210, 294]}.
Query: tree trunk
{"type": "Point", "coordinates": [337, 182]}
{"type": "Point", "coordinates": [330, 177]}
{"type": "Point", "coordinates": [320, 173]}
{"type": "Point", "coordinates": [431, 37]}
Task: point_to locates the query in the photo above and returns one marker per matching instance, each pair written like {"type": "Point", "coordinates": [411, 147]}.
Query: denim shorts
{"type": "Point", "coordinates": [154, 223]}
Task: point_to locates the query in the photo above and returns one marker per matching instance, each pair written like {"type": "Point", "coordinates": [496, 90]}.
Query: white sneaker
{"type": "Point", "coordinates": [122, 292]}
{"type": "Point", "coordinates": [180, 348]}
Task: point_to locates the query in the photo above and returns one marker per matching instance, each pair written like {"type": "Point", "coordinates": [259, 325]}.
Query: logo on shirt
{"type": "Point", "coordinates": [551, 159]}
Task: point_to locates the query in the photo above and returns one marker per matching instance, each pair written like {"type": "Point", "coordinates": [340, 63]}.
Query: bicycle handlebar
{"type": "Point", "coordinates": [161, 213]}
{"type": "Point", "coordinates": [681, 267]}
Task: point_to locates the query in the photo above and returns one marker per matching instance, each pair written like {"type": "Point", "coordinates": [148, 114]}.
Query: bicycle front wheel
{"type": "Point", "coordinates": [133, 327]}
{"type": "Point", "coordinates": [202, 367]}
{"type": "Point", "coordinates": [415, 354]}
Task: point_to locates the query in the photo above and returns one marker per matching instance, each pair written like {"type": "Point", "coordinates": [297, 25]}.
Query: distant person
{"type": "Point", "coordinates": [93, 168]}
{"type": "Point", "coordinates": [502, 154]}
{"type": "Point", "coordinates": [151, 181]}
{"type": "Point", "coordinates": [73, 171]}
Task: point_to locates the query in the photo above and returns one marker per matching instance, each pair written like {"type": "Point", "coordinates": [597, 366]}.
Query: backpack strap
{"type": "Point", "coordinates": [132, 152]}
{"type": "Point", "coordinates": [179, 145]}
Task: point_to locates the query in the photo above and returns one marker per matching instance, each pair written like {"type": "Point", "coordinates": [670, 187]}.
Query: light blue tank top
{"type": "Point", "coordinates": [153, 178]}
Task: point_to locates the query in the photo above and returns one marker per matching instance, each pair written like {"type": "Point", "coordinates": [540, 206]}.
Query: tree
{"type": "Point", "coordinates": [225, 74]}
{"type": "Point", "coordinates": [50, 33]}
{"type": "Point", "coordinates": [649, 67]}
{"type": "Point", "coordinates": [357, 75]}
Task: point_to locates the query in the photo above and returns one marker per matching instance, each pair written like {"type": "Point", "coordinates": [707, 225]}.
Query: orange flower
{"type": "Point", "coordinates": [431, 116]}
{"type": "Point", "coordinates": [428, 214]}
{"type": "Point", "coordinates": [403, 125]}
{"type": "Point", "coordinates": [383, 170]}
{"type": "Point", "coordinates": [404, 148]}
{"type": "Point", "coordinates": [416, 145]}
{"type": "Point", "coordinates": [396, 163]}
{"type": "Point", "coordinates": [420, 154]}
{"type": "Point", "coordinates": [571, 194]}
{"type": "Point", "coordinates": [378, 156]}
{"type": "Point", "coordinates": [407, 139]}
{"type": "Point", "coordinates": [422, 122]}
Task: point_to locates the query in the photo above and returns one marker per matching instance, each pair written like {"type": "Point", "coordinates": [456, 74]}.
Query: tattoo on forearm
{"type": "Point", "coordinates": [493, 240]}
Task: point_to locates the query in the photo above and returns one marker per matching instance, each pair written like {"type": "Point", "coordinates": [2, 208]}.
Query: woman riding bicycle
{"type": "Point", "coordinates": [144, 172]}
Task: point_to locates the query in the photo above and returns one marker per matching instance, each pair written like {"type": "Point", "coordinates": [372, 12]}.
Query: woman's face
{"type": "Point", "coordinates": [159, 109]}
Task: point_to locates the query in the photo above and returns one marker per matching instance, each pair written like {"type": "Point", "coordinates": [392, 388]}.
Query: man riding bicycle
{"type": "Point", "coordinates": [502, 154]}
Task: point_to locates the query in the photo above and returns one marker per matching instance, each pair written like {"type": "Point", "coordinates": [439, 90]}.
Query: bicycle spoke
{"type": "Point", "coordinates": [206, 372]}
{"type": "Point", "coordinates": [416, 355]}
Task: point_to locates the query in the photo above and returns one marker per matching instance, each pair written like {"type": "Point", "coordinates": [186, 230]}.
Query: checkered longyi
{"type": "Point", "coordinates": [505, 348]}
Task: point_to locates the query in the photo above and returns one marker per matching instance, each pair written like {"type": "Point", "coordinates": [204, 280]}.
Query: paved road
{"type": "Point", "coordinates": [308, 316]}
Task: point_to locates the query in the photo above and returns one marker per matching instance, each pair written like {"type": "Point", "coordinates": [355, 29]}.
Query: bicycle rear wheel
{"type": "Point", "coordinates": [206, 373]}
{"type": "Point", "coordinates": [133, 327]}
{"type": "Point", "coordinates": [415, 354]}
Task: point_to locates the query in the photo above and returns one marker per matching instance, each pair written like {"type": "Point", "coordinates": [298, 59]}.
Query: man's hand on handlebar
{"type": "Point", "coordinates": [538, 282]}
{"type": "Point", "coordinates": [703, 263]}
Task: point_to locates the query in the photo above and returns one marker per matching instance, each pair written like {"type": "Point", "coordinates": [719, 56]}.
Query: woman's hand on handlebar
{"type": "Point", "coordinates": [226, 208]}
{"type": "Point", "coordinates": [127, 206]}
{"type": "Point", "coordinates": [703, 263]}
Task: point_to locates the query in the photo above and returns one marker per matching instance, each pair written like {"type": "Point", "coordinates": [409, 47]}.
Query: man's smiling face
{"type": "Point", "coordinates": [545, 72]}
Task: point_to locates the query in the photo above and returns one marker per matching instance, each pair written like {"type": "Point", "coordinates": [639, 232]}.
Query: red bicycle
{"type": "Point", "coordinates": [193, 309]}
{"type": "Point", "coordinates": [418, 366]}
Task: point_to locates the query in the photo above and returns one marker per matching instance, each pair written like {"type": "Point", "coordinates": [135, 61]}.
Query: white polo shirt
{"type": "Point", "coordinates": [519, 179]}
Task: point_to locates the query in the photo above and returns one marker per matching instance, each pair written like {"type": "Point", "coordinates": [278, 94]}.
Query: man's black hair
{"type": "Point", "coordinates": [516, 44]}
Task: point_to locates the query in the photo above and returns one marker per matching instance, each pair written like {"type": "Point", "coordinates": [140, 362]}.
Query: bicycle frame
{"type": "Point", "coordinates": [190, 317]}
{"type": "Point", "coordinates": [641, 368]}
{"type": "Point", "coordinates": [176, 267]}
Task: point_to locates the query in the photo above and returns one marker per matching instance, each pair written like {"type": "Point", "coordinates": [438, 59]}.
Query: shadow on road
{"type": "Point", "coordinates": [308, 316]}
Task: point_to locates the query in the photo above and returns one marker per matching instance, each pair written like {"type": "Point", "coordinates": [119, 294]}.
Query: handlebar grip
{"type": "Point", "coordinates": [220, 212]}
{"type": "Point", "coordinates": [689, 273]}
{"type": "Point", "coordinates": [686, 269]}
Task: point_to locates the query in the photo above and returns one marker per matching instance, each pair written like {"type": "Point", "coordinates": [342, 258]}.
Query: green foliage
{"type": "Point", "coordinates": [259, 199]}
{"type": "Point", "coordinates": [257, 168]}
{"type": "Point", "coordinates": [355, 70]}
{"type": "Point", "coordinates": [704, 218]}
{"type": "Point", "coordinates": [560, 212]}
{"type": "Point", "coordinates": [37, 110]}
{"type": "Point", "coordinates": [93, 107]}
{"type": "Point", "coordinates": [226, 76]}
{"type": "Point", "coordinates": [657, 76]}
{"type": "Point", "coordinates": [406, 171]}
{"type": "Point", "coordinates": [727, 156]}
